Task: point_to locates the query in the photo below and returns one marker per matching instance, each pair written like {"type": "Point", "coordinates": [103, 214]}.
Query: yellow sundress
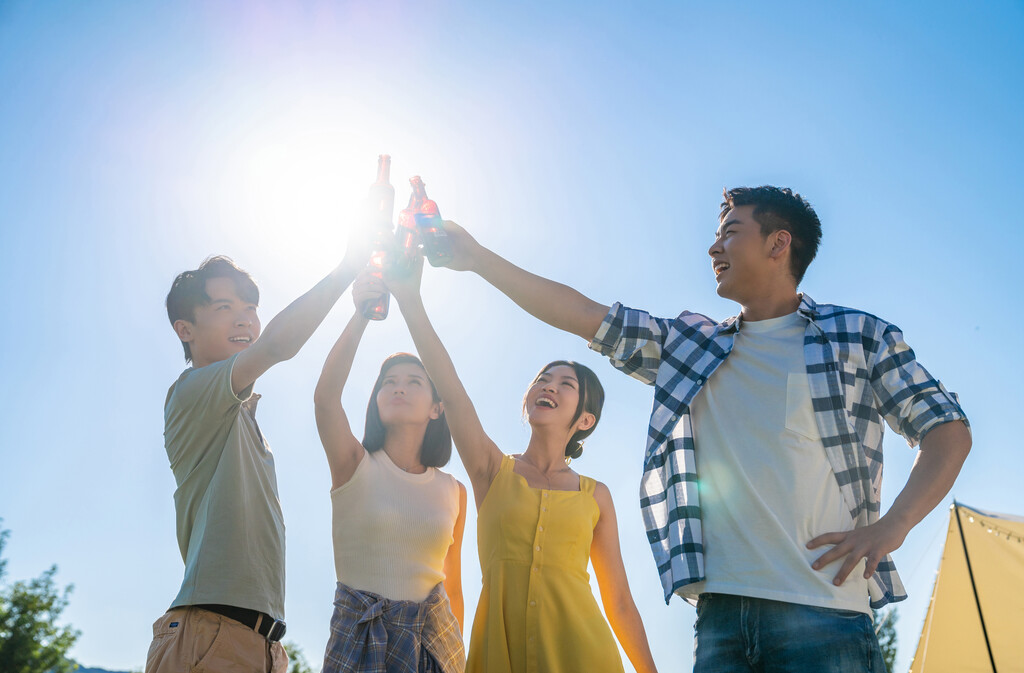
{"type": "Point", "coordinates": [537, 613]}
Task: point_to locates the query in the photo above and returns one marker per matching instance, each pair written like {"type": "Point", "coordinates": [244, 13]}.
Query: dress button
{"type": "Point", "coordinates": [534, 568]}
{"type": "Point", "coordinates": [533, 604]}
{"type": "Point", "coordinates": [537, 548]}
{"type": "Point", "coordinates": [544, 509]}
{"type": "Point", "coordinates": [545, 494]}
{"type": "Point", "coordinates": [540, 528]}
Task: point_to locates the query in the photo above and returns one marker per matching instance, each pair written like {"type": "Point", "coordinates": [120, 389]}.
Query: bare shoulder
{"type": "Point", "coordinates": [603, 496]}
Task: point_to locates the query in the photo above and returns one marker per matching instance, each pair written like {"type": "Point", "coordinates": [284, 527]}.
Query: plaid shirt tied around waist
{"type": "Point", "coordinates": [373, 634]}
{"type": "Point", "coordinates": [860, 371]}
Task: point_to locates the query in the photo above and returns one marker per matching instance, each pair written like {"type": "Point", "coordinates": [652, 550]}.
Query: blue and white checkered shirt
{"type": "Point", "coordinates": [860, 371]}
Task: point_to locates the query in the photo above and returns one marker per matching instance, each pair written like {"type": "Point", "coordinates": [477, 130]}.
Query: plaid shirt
{"type": "Point", "coordinates": [373, 634]}
{"type": "Point", "coordinates": [859, 370]}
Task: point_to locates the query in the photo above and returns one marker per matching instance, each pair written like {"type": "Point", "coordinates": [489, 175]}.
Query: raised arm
{"type": "Point", "coordinates": [556, 304]}
{"type": "Point", "coordinates": [480, 456]}
{"type": "Point", "coordinates": [616, 597]}
{"type": "Point", "coordinates": [343, 450]}
{"type": "Point", "coordinates": [291, 328]}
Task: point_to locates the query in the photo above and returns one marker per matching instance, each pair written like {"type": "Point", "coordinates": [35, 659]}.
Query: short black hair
{"type": "Point", "coordinates": [436, 450]}
{"type": "Point", "coordinates": [778, 208]}
{"type": "Point", "coordinates": [189, 290]}
{"type": "Point", "coordinates": [591, 400]}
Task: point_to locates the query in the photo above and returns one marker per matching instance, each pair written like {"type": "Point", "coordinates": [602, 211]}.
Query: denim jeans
{"type": "Point", "coordinates": [735, 634]}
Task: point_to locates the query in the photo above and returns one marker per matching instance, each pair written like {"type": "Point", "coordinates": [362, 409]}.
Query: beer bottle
{"type": "Point", "coordinates": [381, 202]}
{"type": "Point", "coordinates": [408, 236]}
{"type": "Point", "coordinates": [436, 246]}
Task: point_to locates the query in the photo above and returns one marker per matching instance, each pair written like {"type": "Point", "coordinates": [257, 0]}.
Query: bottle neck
{"type": "Point", "coordinates": [383, 170]}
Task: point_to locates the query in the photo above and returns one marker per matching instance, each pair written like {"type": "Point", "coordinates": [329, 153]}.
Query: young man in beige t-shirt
{"type": "Point", "coordinates": [229, 612]}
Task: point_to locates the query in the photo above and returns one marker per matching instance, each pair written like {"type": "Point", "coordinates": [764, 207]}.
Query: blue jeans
{"type": "Point", "coordinates": [736, 634]}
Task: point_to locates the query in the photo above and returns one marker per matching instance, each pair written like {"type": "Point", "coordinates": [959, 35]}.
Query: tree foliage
{"type": "Point", "coordinates": [297, 662]}
{"type": "Point", "coordinates": [30, 640]}
{"type": "Point", "coordinates": [887, 636]}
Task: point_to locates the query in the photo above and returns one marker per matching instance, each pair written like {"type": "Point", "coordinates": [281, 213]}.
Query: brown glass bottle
{"type": "Point", "coordinates": [436, 246]}
{"type": "Point", "coordinates": [382, 208]}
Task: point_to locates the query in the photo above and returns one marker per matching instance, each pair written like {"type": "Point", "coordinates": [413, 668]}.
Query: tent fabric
{"type": "Point", "coordinates": [952, 640]}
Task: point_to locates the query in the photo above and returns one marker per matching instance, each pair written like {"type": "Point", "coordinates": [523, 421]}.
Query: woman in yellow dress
{"type": "Point", "coordinates": [539, 522]}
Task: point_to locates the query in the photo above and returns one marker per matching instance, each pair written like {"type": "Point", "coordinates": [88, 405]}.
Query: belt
{"type": "Point", "coordinates": [262, 623]}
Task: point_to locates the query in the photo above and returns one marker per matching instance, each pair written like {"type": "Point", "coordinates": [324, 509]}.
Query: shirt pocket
{"type": "Point", "coordinates": [800, 408]}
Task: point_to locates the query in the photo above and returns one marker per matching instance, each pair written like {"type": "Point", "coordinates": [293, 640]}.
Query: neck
{"type": "Point", "coordinates": [546, 450]}
{"type": "Point", "coordinates": [403, 444]}
{"type": "Point", "coordinates": [770, 304]}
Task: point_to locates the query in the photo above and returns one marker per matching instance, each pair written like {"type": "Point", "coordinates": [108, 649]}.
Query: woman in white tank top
{"type": "Point", "coordinates": [397, 519]}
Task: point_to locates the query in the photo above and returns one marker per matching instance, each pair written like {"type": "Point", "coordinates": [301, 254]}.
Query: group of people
{"type": "Point", "coordinates": [760, 489]}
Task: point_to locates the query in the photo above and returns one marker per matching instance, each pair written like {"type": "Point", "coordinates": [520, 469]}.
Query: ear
{"type": "Point", "coordinates": [586, 421]}
{"type": "Point", "coordinates": [183, 328]}
{"type": "Point", "coordinates": [436, 412]}
{"type": "Point", "coordinates": [781, 240]}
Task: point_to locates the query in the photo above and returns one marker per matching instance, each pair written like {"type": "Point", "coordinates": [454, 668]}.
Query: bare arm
{"type": "Point", "coordinates": [479, 454]}
{"type": "Point", "coordinates": [942, 454]}
{"type": "Point", "coordinates": [453, 564]}
{"type": "Point", "coordinates": [556, 304]}
{"type": "Point", "coordinates": [616, 597]}
{"type": "Point", "coordinates": [343, 450]}
{"type": "Point", "coordinates": [292, 327]}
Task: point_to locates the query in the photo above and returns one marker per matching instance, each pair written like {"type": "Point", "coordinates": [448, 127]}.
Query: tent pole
{"type": "Point", "coordinates": [974, 588]}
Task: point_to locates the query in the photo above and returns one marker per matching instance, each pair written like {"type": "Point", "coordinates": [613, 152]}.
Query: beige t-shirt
{"type": "Point", "coordinates": [392, 529]}
{"type": "Point", "coordinates": [766, 485]}
{"type": "Point", "coordinates": [229, 520]}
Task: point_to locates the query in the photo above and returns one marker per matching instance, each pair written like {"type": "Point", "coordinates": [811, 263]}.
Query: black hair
{"type": "Point", "coordinates": [436, 450]}
{"type": "Point", "coordinates": [591, 400]}
{"type": "Point", "coordinates": [780, 208]}
{"type": "Point", "coordinates": [189, 290]}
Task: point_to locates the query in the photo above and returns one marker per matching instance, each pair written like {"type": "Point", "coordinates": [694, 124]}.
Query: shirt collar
{"type": "Point", "coordinates": [808, 308]}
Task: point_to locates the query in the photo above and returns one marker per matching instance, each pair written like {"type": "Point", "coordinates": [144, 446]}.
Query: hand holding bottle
{"type": "Point", "coordinates": [405, 283]}
{"type": "Point", "coordinates": [367, 288]}
{"type": "Point", "coordinates": [465, 251]}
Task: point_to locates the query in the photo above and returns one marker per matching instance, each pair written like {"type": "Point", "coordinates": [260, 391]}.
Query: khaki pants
{"type": "Point", "coordinates": [193, 640]}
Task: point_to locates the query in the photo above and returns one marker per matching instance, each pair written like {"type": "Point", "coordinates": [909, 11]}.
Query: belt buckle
{"type": "Point", "coordinates": [277, 630]}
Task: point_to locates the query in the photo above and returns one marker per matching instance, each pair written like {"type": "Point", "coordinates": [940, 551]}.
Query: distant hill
{"type": "Point", "coordinates": [83, 669]}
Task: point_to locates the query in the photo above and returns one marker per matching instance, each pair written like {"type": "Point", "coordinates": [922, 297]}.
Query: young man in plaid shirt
{"type": "Point", "coordinates": [778, 414]}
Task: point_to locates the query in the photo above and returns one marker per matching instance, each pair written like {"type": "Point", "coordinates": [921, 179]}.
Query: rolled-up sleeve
{"type": "Point", "coordinates": [910, 399]}
{"type": "Point", "coordinates": [633, 341]}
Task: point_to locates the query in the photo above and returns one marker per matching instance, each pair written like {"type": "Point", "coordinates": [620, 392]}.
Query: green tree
{"type": "Point", "coordinates": [885, 629]}
{"type": "Point", "coordinates": [30, 640]}
{"type": "Point", "coordinates": [297, 662]}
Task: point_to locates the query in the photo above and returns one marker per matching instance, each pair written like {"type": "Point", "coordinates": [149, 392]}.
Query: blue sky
{"type": "Point", "coordinates": [588, 142]}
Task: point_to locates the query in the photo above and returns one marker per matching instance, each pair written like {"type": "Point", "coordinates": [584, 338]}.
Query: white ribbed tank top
{"type": "Point", "coordinates": [392, 529]}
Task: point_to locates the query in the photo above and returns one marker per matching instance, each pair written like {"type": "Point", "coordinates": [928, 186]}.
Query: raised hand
{"type": "Point", "coordinates": [367, 287]}
{"type": "Point", "coordinates": [465, 249]}
{"type": "Point", "coordinates": [404, 281]}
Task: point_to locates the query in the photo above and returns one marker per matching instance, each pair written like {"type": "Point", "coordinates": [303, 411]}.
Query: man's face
{"type": "Point", "coordinates": [225, 326]}
{"type": "Point", "coordinates": [741, 256]}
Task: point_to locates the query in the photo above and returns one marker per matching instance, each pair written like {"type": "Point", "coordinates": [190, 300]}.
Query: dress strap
{"type": "Point", "coordinates": [507, 462]}
{"type": "Point", "coordinates": [587, 485]}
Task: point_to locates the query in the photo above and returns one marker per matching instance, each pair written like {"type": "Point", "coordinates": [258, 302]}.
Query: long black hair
{"type": "Point", "coordinates": [437, 440]}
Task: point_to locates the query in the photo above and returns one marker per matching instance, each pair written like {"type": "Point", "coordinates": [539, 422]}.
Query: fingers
{"type": "Point", "coordinates": [367, 287]}
{"type": "Point", "coordinates": [827, 538]}
{"type": "Point", "coordinates": [851, 546]}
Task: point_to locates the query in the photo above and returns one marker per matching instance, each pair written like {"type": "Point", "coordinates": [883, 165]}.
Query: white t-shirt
{"type": "Point", "coordinates": [766, 486]}
{"type": "Point", "coordinates": [392, 529]}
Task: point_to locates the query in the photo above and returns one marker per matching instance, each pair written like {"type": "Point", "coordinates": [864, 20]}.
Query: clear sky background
{"type": "Point", "coordinates": [588, 142]}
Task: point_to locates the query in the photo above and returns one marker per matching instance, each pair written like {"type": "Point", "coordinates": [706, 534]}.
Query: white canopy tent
{"type": "Point", "coordinates": [975, 621]}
